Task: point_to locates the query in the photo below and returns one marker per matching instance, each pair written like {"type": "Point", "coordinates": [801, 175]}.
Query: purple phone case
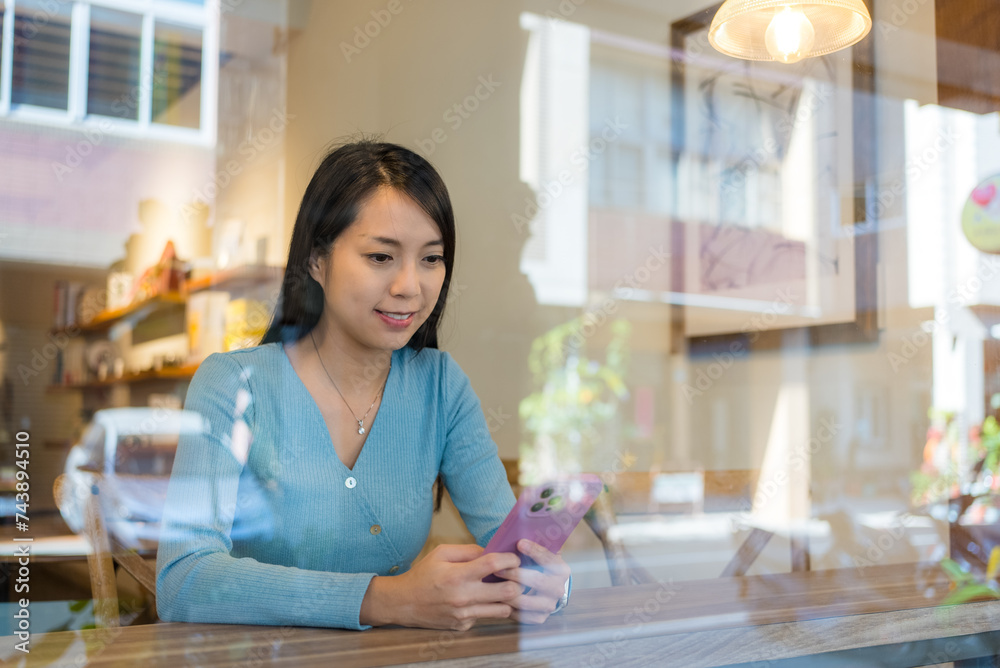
{"type": "Point", "coordinates": [545, 514]}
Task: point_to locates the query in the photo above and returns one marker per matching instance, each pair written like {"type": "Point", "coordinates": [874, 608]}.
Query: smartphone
{"type": "Point", "coordinates": [545, 514]}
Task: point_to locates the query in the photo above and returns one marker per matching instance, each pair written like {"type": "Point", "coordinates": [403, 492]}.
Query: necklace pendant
{"type": "Point", "coordinates": [361, 429]}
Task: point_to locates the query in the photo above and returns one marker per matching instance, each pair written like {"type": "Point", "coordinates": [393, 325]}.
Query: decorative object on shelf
{"type": "Point", "coordinates": [100, 356]}
{"type": "Point", "coordinates": [788, 30]}
{"type": "Point", "coordinates": [119, 288]}
{"type": "Point", "coordinates": [981, 216]}
{"type": "Point", "coordinates": [166, 276]}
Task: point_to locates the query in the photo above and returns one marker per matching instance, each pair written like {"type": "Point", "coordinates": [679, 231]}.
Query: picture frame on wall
{"type": "Point", "coordinates": [774, 179]}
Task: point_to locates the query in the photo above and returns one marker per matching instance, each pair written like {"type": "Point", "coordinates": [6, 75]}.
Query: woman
{"type": "Point", "coordinates": [309, 495]}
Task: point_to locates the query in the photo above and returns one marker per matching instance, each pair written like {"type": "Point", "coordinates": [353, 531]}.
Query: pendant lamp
{"type": "Point", "coordinates": [788, 30]}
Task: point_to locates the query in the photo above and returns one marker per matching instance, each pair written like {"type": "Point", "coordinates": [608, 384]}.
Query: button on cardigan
{"type": "Point", "coordinates": [264, 524]}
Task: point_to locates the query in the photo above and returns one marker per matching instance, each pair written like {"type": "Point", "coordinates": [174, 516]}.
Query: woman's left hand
{"type": "Point", "coordinates": [547, 585]}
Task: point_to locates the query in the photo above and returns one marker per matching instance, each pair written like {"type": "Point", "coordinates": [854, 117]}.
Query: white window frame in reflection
{"type": "Point", "coordinates": [203, 18]}
{"type": "Point", "coordinates": [554, 132]}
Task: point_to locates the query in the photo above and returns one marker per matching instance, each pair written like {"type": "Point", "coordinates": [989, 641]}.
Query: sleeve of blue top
{"type": "Point", "coordinates": [470, 465]}
{"type": "Point", "coordinates": [197, 579]}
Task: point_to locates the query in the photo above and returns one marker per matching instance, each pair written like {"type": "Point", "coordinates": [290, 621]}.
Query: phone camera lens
{"type": "Point", "coordinates": [538, 506]}
{"type": "Point", "coordinates": [547, 493]}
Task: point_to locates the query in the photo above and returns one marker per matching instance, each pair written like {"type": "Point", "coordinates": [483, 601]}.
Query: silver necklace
{"type": "Point", "coordinates": [361, 422]}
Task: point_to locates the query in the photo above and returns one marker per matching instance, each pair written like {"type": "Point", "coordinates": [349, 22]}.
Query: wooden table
{"type": "Point", "coordinates": [691, 623]}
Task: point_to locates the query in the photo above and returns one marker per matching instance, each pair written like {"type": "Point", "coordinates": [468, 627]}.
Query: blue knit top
{"type": "Point", "coordinates": [264, 524]}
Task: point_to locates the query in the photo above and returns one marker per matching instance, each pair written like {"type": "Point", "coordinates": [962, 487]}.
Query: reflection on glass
{"type": "Point", "coordinates": [41, 55]}
{"type": "Point", "coordinates": [115, 46]}
{"type": "Point", "coordinates": [633, 90]}
{"type": "Point", "coordinates": [177, 75]}
{"type": "Point", "coordinates": [146, 454]}
{"type": "Point", "coordinates": [576, 399]}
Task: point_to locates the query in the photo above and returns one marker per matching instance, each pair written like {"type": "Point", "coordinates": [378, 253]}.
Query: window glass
{"type": "Point", "coordinates": [145, 454]}
{"type": "Point", "coordinates": [115, 48]}
{"type": "Point", "coordinates": [177, 75]}
{"type": "Point", "coordinates": [41, 54]}
{"type": "Point", "coordinates": [3, 17]}
{"type": "Point", "coordinates": [93, 446]}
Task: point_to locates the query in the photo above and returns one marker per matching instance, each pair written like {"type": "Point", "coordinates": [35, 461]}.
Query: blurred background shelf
{"type": "Point", "coordinates": [236, 278]}
{"type": "Point", "coordinates": [185, 372]}
{"type": "Point", "coordinates": [106, 319]}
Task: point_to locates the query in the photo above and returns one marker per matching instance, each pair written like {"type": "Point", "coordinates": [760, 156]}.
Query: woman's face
{"type": "Point", "coordinates": [383, 275]}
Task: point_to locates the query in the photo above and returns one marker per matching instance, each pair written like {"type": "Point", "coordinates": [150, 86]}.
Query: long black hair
{"type": "Point", "coordinates": [347, 178]}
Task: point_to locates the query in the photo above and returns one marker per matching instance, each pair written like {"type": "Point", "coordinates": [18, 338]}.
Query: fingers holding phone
{"type": "Point", "coordinates": [444, 590]}
{"type": "Point", "coordinates": [544, 584]}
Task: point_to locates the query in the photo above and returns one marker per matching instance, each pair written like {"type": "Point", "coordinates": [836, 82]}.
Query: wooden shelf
{"type": "Point", "coordinates": [227, 279]}
{"type": "Point", "coordinates": [105, 319]}
{"type": "Point", "coordinates": [236, 278]}
{"type": "Point", "coordinates": [185, 372]}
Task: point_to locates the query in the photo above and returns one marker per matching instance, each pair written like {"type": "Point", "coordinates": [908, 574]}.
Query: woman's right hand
{"type": "Point", "coordinates": [444, 590]}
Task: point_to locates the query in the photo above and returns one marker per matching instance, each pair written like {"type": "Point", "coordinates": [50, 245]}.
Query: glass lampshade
{"type": "Point", "coordinates": [793, 29]}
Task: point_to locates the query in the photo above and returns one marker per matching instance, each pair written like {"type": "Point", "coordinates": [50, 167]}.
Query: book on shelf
{"type": "Point", "coordinates": [70, 365]}
{"type": "Point", "coordinates": [66, 303]}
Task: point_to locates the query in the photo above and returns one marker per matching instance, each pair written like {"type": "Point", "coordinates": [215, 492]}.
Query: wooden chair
{"type": "Point", "coordinates": [622, 566]}
{"type": "Point", "coordinates": [742, 484]}
{"type": "Point", "coordinates": [635, 495]}
{"type": "Point", "coordinates": [105, 553]}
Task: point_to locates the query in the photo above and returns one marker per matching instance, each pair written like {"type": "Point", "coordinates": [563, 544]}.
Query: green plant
{"type": "Point", "coordinates": [574, 396]}
{"type": "Point", "coordinates": [965, 586]}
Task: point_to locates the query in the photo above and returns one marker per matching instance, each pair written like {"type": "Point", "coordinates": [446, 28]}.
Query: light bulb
{"type": "Point", "coordinates": [789, 36]}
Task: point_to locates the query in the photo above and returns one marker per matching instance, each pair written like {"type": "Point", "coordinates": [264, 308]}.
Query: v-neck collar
{"type": "Point", "coordinates": [388, 395]}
